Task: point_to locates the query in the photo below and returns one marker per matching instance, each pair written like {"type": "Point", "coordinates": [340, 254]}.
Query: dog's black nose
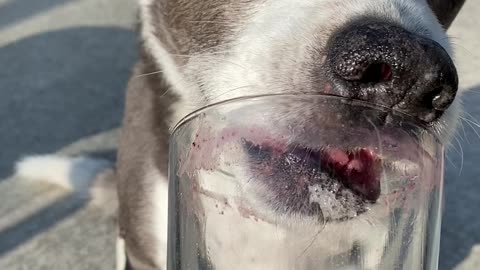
{"type": "Point", "coordinates": [385, 64]}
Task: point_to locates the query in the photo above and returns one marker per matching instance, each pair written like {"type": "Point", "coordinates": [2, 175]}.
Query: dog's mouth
{"type": "Point", "coordinates": [325, 175]}
{"type": "Point", "coordinates": [330, 183]}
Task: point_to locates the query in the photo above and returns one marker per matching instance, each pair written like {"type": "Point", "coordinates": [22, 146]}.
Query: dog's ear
{"type": "Point", "coordinates": [446, 10]}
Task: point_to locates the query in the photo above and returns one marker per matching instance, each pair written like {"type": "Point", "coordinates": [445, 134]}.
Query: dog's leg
{"type": "Point", "coordinates": [142, 169]}
{"type": "Point", "coordinates": [120, 254]}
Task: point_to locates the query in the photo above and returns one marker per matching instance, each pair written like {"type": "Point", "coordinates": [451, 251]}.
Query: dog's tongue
{"type": "Point", "coordinates": [359, 170]}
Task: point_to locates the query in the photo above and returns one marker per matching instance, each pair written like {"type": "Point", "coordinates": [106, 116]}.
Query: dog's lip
{"type": "Point", "coordinates": [393, 148]}
{"type": "Point", "coordinates": [396, 152]}
{"type": "Point", "coordinates": [357, 169]}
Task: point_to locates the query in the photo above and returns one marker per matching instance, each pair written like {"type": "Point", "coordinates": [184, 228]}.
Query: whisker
{"type": "Point", "coordinates": [315, 237]}
{"type": "Point", "coordinates": [474, 91]}
{"type": "Point", "coordinates": [473, 120]}
{"type": "Point", "coordinates": [469, 122]}
{"type": "Point", "coordinates": [294, 148]}
{"type": "Point", "coordinates": [201, 54]}
{"type": "Point", "coordinates": [464, 133]}
{"type": "Point", "coordinates": [166, 91]}
{"type": "Point", "coordinates": [229, 91]}
{"type": "Point", "coordinates": [148, 74]}
{"type": "Point", "coordinates": [461, 155]}
{"type": "Point", "coordinates": [305, 160]}
{"type": "Point", "coordinates": [450, 161]}
{"type": "Point", "coordinates": [229, 23]}
{"type": "Point", "coordinates": [458, 46]}
{"type": "Point", "coordinates": [474, 129]}
{"type": "Point", "coordinates": [380, 148]}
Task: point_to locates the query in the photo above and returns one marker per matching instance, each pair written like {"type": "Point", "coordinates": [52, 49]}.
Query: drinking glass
{"type": "Point", "coordinates": [282, 182]}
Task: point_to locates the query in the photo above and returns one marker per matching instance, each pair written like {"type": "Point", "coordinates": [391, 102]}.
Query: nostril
{"type": "Point", "coordinates": [429, 98]}
{"type": "Point", "coordinates": [376, 73]}
{"type": "Point", "coordinates": [442, 99]}
{"type": "Point", "coordinates": [438, 99]}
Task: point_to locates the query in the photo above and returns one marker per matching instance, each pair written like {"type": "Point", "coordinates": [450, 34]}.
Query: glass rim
{"type": "Point", "coordinates": [351, 101]}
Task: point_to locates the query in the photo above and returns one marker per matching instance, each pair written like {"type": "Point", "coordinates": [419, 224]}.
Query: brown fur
{"type": "Point", "coordinates": [446, 10]}
{"type": "Point", "coordinates": [192, 26]}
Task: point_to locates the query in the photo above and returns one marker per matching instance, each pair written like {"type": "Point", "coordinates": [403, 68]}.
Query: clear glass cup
{"type": "Point", "coordinates": [303, 182]}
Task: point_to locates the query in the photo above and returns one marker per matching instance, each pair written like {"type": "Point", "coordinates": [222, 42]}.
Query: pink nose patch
{"type": "Point", "coordinates": [359, 170]}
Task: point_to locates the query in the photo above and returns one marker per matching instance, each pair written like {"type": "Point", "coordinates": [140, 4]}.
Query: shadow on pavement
{"type": "Point", "coordinates": [39, 222]}
{"type": "Point", "coordinates": [461, 219]}
{"type": "Point", "coordinates": [58, 87]}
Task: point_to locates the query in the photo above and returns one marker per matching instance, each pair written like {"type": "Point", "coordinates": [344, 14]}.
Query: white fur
{"type": "Point", "coordinates": [160, 211]}
{"type": "Point", "coordinates": [120, 255]}
{"type": "Point", "coordinates": [70, 173]}
{"type": "Point", "coordinates": [159, 208]}
{"type": "Point", "coordinates": [88, 177]}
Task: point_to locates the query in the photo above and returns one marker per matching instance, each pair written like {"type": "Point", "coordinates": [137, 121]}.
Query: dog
{"type": "Point", "coordinates": [199, 52]}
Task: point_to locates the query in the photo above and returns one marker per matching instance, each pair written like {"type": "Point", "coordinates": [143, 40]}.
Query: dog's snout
{"type": "Point", "coordinates": [388, 65]}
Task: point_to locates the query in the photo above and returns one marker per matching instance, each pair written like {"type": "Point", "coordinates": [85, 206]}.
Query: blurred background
{"type": "Point", "coordinates": [64, 65]}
